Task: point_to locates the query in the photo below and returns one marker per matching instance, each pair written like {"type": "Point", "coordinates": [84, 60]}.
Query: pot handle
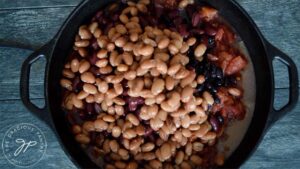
{"type": "Point", "coordinates": [41, 113]}
{"type": "Point", "coordinates": [275, 53]}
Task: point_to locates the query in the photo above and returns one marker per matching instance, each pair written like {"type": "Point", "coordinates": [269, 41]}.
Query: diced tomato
{"type": "Point", "coordinates": [219, 34]}
{"type": "Point", "coordinates": [224, 59]}
{"type": "Point", "coordinates": [235, 65]}
{"type": "Point", "coordinates": [235, 111]}
{"type": "Point", "coordinates": [229, 107]}
{"type": "Point", "coordinates": [208, 13]}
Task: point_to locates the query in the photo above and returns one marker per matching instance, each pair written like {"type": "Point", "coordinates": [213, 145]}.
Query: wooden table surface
{"type": "Point", "coordinates": [34, 22]}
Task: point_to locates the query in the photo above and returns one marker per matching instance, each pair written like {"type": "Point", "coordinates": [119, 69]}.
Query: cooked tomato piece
{"type": "Point", "coordinates": [208, 13]}
{"type": "Point", "coordinates": [235, 111]}
{"type": "Point", "coordinates": [235, 65]}
{"type": "Point", "coordinates": [224, 59]}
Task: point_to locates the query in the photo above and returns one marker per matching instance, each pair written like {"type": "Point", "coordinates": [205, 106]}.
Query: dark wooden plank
{"type": "Point", "coordinates": [10, 62]}
{"type": "Point", "coordinates": [280, 148]}
{"type": "Point", "coordinates": [280, 24]}
{"type": "Point", "coordinates": [32, 26]}
{"type": "Point", "coordinates": [18, 4]}
{"type": "Point", "coordinates": [12, 113]}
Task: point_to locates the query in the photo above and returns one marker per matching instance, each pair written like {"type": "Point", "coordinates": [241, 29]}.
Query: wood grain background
{"type": "Point", "coordinates": [34, 22]}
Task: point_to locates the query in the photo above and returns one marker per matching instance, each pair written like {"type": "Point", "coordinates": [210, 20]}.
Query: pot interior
{"type": "Point", "coordinates": [243, 135]}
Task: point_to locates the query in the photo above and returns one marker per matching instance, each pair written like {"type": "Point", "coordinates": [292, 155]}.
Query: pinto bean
{"type": "Point", "coordinates": [208, 98]}
{"type": "Point", "coordinates": [146, 50]}
{"type": "Point", "coordinates": [65, 83]}
{"type": "Point", "coordinates": [100, 125]}
{"type": "Point", "coordinates": [83, 66]}
{"type": "Point", "coordinates": [133, 119]}
{"type": "Point", "coordinates": [89, 88]}
{"type": "Point", "coordinates": [186, 94]}
{"type": "Point", "coordinates": [82, 138]}
{"type": "Point", "coordinates": [200, 50]}
{"type": "Point", "coordinates": [88, 77]}
{"type": "Point", "coordinates": [157, 86]}
{"type": "Point", "coordinates": [147, 147]}
{"type": "Point", "coordinates": [165, 151]}
{"type": "Point", "coordinates": [116, 131]}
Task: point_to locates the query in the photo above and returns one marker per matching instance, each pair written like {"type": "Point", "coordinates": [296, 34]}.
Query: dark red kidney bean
{"type": "Point", "coordinates": [93, 136]}
{"type": "Point", "coordinates": [95, 71]}
{"type": "Point", "coordinates": [153, 20]}
{"type": "Point", "coordinates": [210, 30]}
{"type": "Point", "coordinates": [173, 14]}
{"type": "Point", "coordinates": [190, 9]}
{"type": "Point", "coordinates": [214, 123]}
{"type": "Point", "coordinates": [99, 14]}
{"type": "Point", "coordinates": [90, 107]}
{"type": "Point", "coordinates": [73, 54]}
{"type": "Point", "coordinates": [94, 44]}
{"type": "Point", "coordinates": [196, 19]}
{"type": "Point", "coordinates": [107, 27]}
{"type": "Point", "coordinates": [159, 10]}
{"type": "Point", "coordinates": [77, 84]}
{"type": "Point", "coordinates": [124, 83]}
{"type": "Point", "coordinates": [115, 17]}
{"type": "Point", "coordinates": [182, 29]}
{"type": "Point", "coordinates": [104, 20]}
{"type": "Point", "coordinates": [97, 108]}
{"type": "Point", "coordinates": [197, 31]}
{"type": "Point", "coordinates": [137, 112]}
{"type": "Point", "coordinates": [173, 29]}
{"type": "Point", "coordinates": [143, 21]}
{"type": "Point", "coordinates": [93, 58]}
{"type": "Point", "coordinates": [146, 122]}
{"type": "Point", "coordinates": [73, 116]}
{"type": "Point", "coordinates": [125, 93]}
{"type": "Point", "coordinates": [132, 106]}
{"type": "Point", "coordinates": [178, 21]}
{"type": "Point", "coordinates": [148, 131]}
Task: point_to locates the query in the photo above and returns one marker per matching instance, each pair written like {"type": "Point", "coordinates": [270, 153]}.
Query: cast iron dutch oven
{"type": "Point", "coordinates": [262, 54]}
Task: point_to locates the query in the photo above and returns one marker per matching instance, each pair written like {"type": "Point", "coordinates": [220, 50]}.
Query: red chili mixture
{"type": "Point", "coordinates": [153, 84]}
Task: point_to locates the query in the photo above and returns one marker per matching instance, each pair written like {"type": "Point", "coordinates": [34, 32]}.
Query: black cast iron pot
{"type": "Point", "coordinates": [262, 54]}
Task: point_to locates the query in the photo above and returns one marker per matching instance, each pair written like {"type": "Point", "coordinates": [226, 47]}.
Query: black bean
{"type": "Point", "coordinates": [219, 83]}
{"type": "Point", "coordinates": [166, 20]}
{"type": "Point", "coordinates": [230, 81]}
{"type": "Point", "coordinates": [219, 73]}
{"type": "Point", "coordinates": [220, 118]}
{"type": "Point", "coordinates": [216, 99]}
{"type": "Point", "coordinates": [213, 90]}
{"type": "Point", "coordinates": [211, 43]}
